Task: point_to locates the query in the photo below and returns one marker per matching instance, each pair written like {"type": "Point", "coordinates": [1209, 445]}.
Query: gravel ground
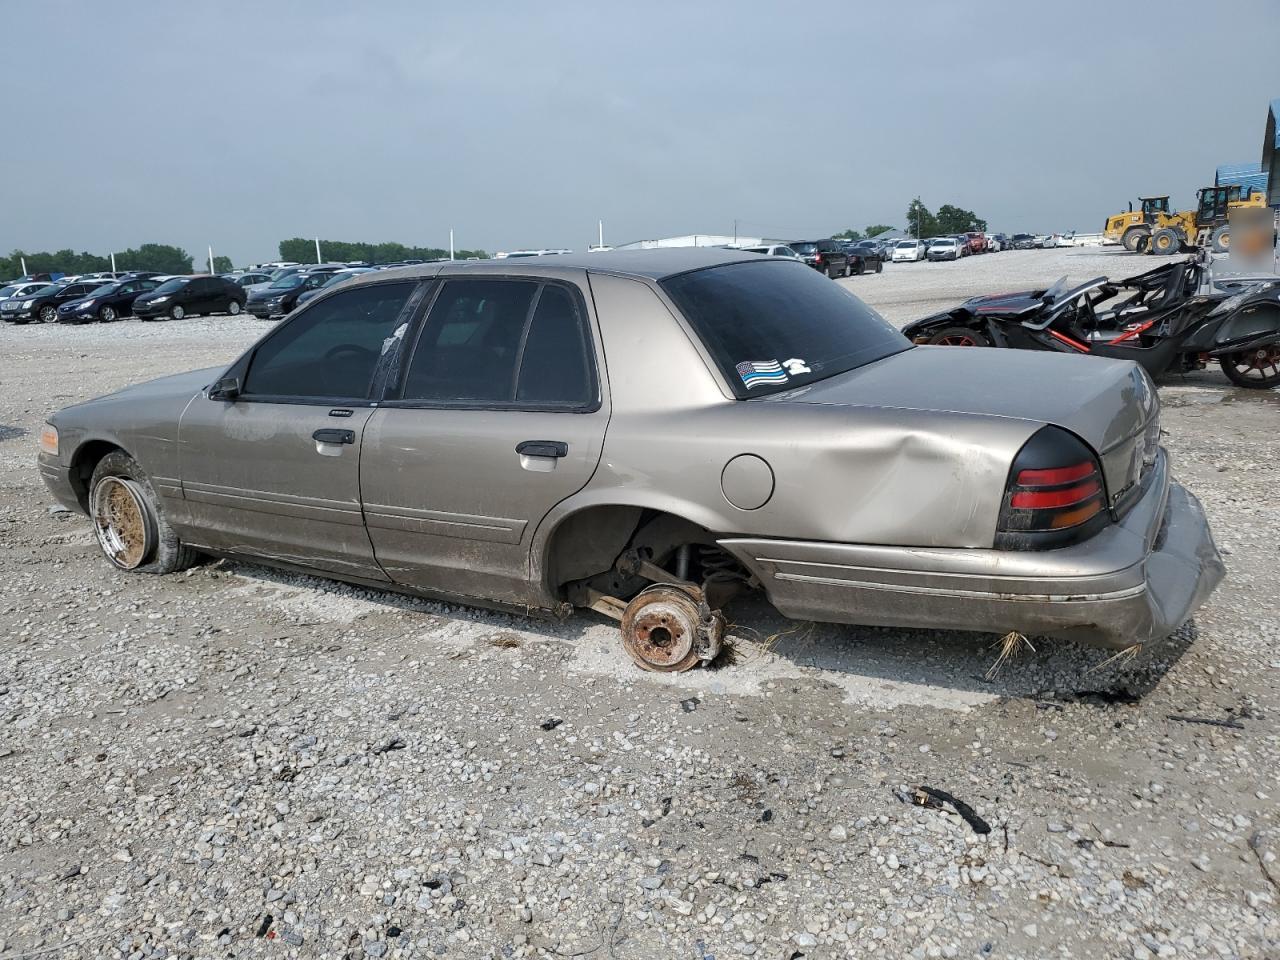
{"type": "Point", "coordinates": [238, 763]}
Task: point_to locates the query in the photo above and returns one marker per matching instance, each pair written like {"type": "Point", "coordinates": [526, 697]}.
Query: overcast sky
{"type": "Point", "coordinates": [519, 125]}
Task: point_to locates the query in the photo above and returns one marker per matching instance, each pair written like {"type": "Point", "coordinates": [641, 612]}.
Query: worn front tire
{"type": "Point", "coordinates": [128, 522]}
{"type": "Point", "coordinates": [959, 336]}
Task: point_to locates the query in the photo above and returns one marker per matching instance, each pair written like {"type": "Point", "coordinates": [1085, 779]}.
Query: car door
{"type": "Point", "coordinates": [273, 470]}
{"type": "Point", "coordinates": [499, 416]}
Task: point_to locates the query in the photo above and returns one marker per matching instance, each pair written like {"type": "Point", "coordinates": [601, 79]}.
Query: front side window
{"type": "Point", "coordinates": [502, 342]}
{"type": "Point", "coordinates": [773, 325]}
{"type": "Point", "coordinates": [329, 350]}
{"type": "Point", "coordinates": [172, 286]}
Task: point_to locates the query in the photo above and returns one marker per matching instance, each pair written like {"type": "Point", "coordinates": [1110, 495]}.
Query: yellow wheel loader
{"type": "Point", "coordinates": [1135, 226]}
{"type": "Point", "coordinates": [1205, 226]}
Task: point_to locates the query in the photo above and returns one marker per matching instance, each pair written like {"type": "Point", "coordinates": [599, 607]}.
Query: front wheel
{"type": "Point", "coordinates": [1165, 241]}
{"type": "Point", "coordinates": [959, 337]}
{"type": "Point", "coordinates": [107, 314]}
{"type": "Point", "coordinates": [48, 314]}
{"type": "Point", "coordinates": [1257, 369]}
{"type": "Point", "coordinates": [128, 522]}
{"type": "Point", "coordinates": [1221, 242]}
{"type": "Point", "coordinates": [176, 312]}
{"type": "Point", "coordinates": [233, 308]}
{"type": "Point", "coordinates": [879, 265]}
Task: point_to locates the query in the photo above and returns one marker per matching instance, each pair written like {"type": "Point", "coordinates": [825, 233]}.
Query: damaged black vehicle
{"type": "Point", "coordinates": [1174, 318]}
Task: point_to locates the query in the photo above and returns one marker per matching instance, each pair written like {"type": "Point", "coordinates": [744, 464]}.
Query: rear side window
{"type": "Point", "coordinates": [771, 325]}
{"type": "Point", "coordinates": [329, 350]}
{"type": "Point", "coordinates": [502, 342]}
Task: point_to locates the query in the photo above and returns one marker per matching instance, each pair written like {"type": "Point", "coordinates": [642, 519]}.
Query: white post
{"type": "Point", "coordinates": [113, 263]}
{"type": "Point", "coordinates": [318, 260]}
{"type": "Point", "coordinates": [24, 265]}
{"type": "Point", "coordinates": [211, 270]}
{"type": "Point", "coordinates": [451, 243]}
{"type": "Point", "coordinates": [600, 224]}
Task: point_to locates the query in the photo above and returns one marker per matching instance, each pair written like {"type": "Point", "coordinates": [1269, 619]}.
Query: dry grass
{"type": "Point", "coordinates": [1010, 645]}
{"type": "Point", "coordinates": [1121, 658]}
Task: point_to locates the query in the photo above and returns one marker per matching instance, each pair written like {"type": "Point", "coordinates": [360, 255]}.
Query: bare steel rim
{"type": "Point", "coordinates": [123, 521]}
{"type": "Point", "coordinates": [660, 630]}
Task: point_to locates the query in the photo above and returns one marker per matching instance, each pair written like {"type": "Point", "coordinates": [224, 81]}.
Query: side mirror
{"type": "Point", "coordinates": [228, 388]}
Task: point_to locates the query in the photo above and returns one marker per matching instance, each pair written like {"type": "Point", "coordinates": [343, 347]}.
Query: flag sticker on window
{"type": "Point", "coordinates": [756, 373]}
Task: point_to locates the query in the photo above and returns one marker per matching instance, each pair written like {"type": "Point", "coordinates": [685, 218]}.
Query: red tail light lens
{"type": "Point", "coordinates": [1055, 496]}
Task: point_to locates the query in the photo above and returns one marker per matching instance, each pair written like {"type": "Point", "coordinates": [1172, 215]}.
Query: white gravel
{"type": "Point", "coordinates": [237, 763]}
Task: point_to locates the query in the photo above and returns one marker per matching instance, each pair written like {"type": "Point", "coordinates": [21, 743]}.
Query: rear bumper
{"type": "Point", "coordinates": [1135, 582]}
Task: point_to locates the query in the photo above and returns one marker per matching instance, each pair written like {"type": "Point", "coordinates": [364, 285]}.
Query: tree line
{"type": "Point", "coordinates": [159, 257]}
{"type": "Point", "coordinates": [301, 250]}
{"type": "Point", "coordinates": [921, 223]}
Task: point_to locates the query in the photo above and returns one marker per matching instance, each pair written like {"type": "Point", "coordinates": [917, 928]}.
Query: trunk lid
{"type": "Point", "coordinates": [1110, 404]}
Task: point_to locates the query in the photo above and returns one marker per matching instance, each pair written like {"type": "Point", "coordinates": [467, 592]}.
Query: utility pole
{"type": "Point", "coordinates": [735, 231]}
{"type": "Point", "coordinates": [318, 260]}
{"type": "Point", "coordinates": [113, 263]}
{"type": "Point", "coordinates": [451, 243]}
{"type": "Point", "coordinates": [600, 225]}
{"type": "Point", "coordinates": [24, 265]}
{"type": "Point", "coordinates": [211, 270]}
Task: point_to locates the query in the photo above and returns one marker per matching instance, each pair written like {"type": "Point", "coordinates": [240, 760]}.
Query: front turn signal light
{"type": "Point", "coordinates": [49, 440]}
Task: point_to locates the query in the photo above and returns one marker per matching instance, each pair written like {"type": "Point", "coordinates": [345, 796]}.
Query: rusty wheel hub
{"type": "Point", "coordinates": [666, 630]}
{"type": "Point", "coordinates": [122, 521]}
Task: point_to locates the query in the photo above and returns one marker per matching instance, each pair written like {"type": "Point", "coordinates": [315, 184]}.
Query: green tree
{"type": "Point", "coordinates": [920, 222]}
{"type": "Point", "coordinates": [876, 228]}
{"type": "Point", "coordinates": [150, 256]}
{"type": "Point", "coordinates": [301, 250]}
{"type": "Point", "coordinates": [849, 234]}
{"type": "Point", "coordinates": [155, 256]}
{"type": "Point", "coordinates": [222, 265]}
{"type": "Point", "coordinates": [957, 220]}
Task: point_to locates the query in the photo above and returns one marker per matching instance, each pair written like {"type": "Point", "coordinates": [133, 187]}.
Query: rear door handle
{"type": "Point", "coordinates": [543, 448]}
{"type": "Point", "coordinates": [334, 436]}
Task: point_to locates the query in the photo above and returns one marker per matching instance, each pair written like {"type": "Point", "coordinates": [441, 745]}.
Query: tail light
{"type": "Point", "coordinates": [1055, 496]}
{"type": "Point", "coordinates": [818, 259]}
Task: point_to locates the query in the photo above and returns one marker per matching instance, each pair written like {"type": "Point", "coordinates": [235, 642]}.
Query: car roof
{"type": "Point", "coordinates": [655, 264]}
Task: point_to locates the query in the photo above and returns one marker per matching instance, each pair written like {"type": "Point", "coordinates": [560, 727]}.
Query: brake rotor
{"type": "Point", "coordinates": [666, 630]}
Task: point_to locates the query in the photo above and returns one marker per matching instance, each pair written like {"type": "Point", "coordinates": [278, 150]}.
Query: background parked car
{"type": "Point", "coordinates": [278, 298]}
{"type": "Point", "coordinates": [977, 241]}
{"type": "Point", "coordinates": [247, 280]}
{"type": "Point", "coordinates": [43, 304]}
{"type": "Point", "coordinates": [333, 280]}
{"type": "Point", "coordinates": [908, 250]}
{"type": "Point", "coordinates": [1022, 241]}
{"type": "Point", "coordinates": [865, 255]}
{"type": "Point", "coordinates": [190, 296]}
{"type": "Point", "coordinates": [108, 302]}
{"type": "Point", "coordinates": [20, 289]}
{"type": "Point", "coordinates": [944, 248]}
{"type": "Point", "coordinates": [774, 250]}
{"type": "Point", "coordinates": [963, 240]}
{"type": "Point", "coordinates": [824, 255]}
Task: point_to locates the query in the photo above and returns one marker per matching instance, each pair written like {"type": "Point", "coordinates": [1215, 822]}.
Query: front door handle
{"type": "Point", "coordinates": [334, 436]}
{"type": "Point", "coordinates": [543, 448]}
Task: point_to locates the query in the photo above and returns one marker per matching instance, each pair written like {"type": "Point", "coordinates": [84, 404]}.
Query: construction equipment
{"type": "Point", "coordinates": [1207, 225]}
{"type": "Point", "coordinates": [1131, 227]}
{"type": "Point", "coordinates": [1156, 230]}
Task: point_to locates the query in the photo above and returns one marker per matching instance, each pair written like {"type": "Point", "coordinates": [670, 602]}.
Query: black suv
{"type": "Point", "coordinates": [190, 296]}
{"type": "Point", "coordinates": [43, 304]}
{"type": "Point", "coordinates": [825, 255]}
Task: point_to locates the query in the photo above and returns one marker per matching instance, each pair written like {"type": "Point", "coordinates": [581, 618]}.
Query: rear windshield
{"type": "Point", "coordinates": [905, 244]}
{"type": "Point", "coordinates": [803, 247]}
{"type": "Point", "coordinates": [771, 325]}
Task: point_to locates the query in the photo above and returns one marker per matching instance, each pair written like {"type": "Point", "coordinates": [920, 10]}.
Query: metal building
{"type": "Point", "coordinates": [1271, 156]}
